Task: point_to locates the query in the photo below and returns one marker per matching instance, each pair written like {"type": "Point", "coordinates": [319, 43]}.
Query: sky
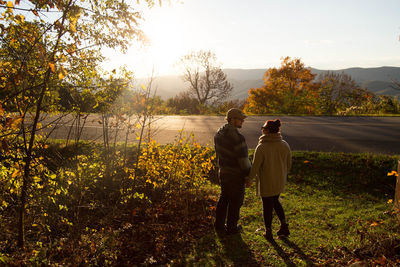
{"type": "Point", "coordinates": [257, 34]}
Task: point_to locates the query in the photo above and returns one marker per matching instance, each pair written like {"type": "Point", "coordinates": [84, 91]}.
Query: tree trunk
{"type": "Point", "coordinates": [29, 148]}
{"type": "Point", "coordinates": [21, 222]}
{"type": "Point", "coordinates": [128, 128]}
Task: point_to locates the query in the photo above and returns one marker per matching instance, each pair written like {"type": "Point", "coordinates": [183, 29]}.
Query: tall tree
{"type": "Point", "coordinates": [45, 44]}
{"type": "Point", "coordinates": [339, 91]}
{"type": "Point", "coordinates": [207, 82]}
{"type": "Point", "coordinates": [289, 89]}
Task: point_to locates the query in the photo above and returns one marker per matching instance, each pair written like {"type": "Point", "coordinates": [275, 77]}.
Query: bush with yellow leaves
{"type": "Point", "coordinates": [171, 170]}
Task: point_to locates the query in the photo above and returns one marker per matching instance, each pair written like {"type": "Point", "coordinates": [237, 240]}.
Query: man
{"type": "Point", "coordinates": [234, 166]}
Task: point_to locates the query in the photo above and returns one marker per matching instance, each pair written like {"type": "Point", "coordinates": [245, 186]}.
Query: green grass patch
{"type": "Point", "coordinates": [337, 208]}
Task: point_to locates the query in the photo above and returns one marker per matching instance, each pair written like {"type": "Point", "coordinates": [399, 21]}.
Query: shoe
{"type": "Point", "coordinates": [232, 231]}
{"type": "Point", "coordinates": [284, 231]}
{"type": "Point", "coordinates": [268, 234]}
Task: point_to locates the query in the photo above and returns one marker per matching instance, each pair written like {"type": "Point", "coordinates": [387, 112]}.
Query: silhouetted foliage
{"type": "Point", "coordinates": [183, 103]}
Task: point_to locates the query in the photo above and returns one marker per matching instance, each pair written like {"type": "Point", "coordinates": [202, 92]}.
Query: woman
{"type": "Point", "coordinates": [271, 164]}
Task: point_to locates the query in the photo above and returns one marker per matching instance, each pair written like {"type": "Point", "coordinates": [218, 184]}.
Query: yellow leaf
{"type": "Point", "coordinates": [52, 67]}
{"type": "Point", "coordinates": [62, 73]}
{"type": "Point", "coordinates": [15, 173]}
{"type": "Point", "coordinates": [19, 18]}
{"type": "Point", "coordinates": [72, 26]}
{"type": "Point", "coordinates": [392, 173]}
{"type": "Point", "coordinates": [374, 224]}
{"type": "Point", "coordinates": [16, 122]}
{"type": "Point", "coordinates": [63, 58]}
{"type": "Point", "coordinates": [306, 161]}
{"type": "Point", "coordinates": [10, 4]}
{"type": "Point", "coordinates": [390, 201]}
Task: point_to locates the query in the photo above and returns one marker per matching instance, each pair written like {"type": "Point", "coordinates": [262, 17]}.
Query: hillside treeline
{"type": "Point", "coordinates": [290, 89]}
{"type": "Point", "coordinates": [294, 89]}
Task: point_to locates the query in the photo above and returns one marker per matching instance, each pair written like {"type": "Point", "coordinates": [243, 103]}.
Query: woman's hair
{"type": "Point", "coordinates": [273, 126]}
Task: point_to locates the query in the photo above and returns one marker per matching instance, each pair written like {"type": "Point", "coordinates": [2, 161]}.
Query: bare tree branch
{"type": "Point", "coordinates": [208, 83]}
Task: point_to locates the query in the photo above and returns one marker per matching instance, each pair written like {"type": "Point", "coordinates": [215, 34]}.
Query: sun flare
{"type": "Point", "coordinates": [165, 46]}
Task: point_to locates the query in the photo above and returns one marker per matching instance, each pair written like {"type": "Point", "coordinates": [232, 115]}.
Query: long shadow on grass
{"type": "Point", "coordinates": [237, 250]}
{"type": "Point", "coordinates": [285, 257]}
{"type": "Point", "coordinates": [298, 251]}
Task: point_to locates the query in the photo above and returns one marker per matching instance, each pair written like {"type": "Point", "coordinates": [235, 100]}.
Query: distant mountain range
{"type": "Point", "coordinates": [377, 80]}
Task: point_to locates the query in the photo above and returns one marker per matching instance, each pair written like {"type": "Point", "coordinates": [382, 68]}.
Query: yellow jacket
{"type": "Point", "coordinates": [271, 164]}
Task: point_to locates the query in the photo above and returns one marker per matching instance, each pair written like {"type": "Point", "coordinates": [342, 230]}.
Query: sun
{"type": "Point", "coordinates": [166, 45]}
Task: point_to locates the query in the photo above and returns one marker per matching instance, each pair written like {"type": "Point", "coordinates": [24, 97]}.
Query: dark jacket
{"type": "Point", "coordinates": [231, 150]}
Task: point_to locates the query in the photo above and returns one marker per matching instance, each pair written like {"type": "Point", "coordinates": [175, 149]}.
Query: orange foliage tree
{"type": "Point", "coordinates": [289, 89]}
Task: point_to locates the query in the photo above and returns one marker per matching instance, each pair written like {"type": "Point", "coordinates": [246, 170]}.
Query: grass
{"type": "Point", "coordinates": [336, 205]}
{"type": "Point", "coordinates": [337, 208]}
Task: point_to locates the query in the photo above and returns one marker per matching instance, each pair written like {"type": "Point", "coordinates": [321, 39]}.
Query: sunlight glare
{"type": "Point", "coordinates": [164, 31]}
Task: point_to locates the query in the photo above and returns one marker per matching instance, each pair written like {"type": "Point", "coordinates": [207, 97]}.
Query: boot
{"type": "Point", "coordinates": [268, 234]}
{"type": "Point", "coordinates": [284, 231]}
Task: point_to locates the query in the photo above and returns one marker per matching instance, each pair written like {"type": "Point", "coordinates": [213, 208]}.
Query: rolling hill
{"type": "Point", "coordinates": [377, 80]}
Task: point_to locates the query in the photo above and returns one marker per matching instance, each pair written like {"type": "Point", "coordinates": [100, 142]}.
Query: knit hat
{"type": "Point", "coordinates": [272, 126]}
{"type": "Point", "coordinates": [235, 113]}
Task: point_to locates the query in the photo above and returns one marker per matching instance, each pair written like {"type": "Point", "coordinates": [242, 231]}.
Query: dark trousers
{"type": "Point", "coordinates": [269, 204]}
{"type": "Point", "coordinates": [230, 200]}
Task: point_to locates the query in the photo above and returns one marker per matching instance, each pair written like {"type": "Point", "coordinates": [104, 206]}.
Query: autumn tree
{"type": "Point", "coordinates": [43, 46]}
{"type": "Point", "coordinates": [389, 104]}
{"type": "Point", "coordinates": [289, 89]}
{"type": "Point", "coordinates": [339, 91]}
{"type": "Point", "coordinates": [207, 82]}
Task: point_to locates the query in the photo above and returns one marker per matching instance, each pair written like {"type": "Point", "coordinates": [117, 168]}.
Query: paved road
{"type": "Point", "coordinates": [336, 134]}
